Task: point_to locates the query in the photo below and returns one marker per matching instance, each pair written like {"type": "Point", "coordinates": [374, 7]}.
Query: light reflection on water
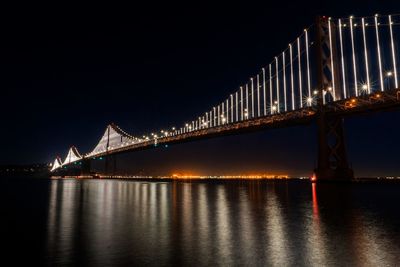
{"type": "Point", "coordinates": [109, 223]}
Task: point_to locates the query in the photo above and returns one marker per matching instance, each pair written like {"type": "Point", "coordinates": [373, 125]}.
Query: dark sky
{"type": "Point", "coordinates": [69, 70]}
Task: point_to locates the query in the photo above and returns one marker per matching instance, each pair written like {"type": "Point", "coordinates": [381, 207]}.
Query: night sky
{"type": "Point", "coordinates": [69, 70]}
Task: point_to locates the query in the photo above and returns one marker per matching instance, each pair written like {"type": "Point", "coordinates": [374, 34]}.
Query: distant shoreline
{"type": "Point", "coordinates": [230, 179]}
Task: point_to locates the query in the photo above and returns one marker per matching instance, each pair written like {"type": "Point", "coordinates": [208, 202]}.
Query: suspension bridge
{"type": "Point", "coordinates": [335, 68]}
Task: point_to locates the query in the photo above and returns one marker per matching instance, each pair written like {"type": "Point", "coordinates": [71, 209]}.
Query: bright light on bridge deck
{"type": "Point", "coordinates": [364, 87]}
{"type": "Point", "coordinates": [389, 74]}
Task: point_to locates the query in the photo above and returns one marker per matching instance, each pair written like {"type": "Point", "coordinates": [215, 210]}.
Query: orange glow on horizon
{"type": "Point", "coordinates": [231, 176]}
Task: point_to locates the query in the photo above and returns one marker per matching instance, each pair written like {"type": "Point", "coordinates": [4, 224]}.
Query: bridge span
{"type": "Point", "coordinates": [334, 69]}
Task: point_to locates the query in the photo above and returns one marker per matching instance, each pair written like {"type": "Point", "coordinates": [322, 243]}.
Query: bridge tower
{"type": "Point", "coordinates": [332, 162]}
{"type": "Point", "coordinates": [110, 159]}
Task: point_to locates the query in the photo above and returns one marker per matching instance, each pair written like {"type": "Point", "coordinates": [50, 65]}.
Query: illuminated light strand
{"type": "Point", "coordinates": [291, 75]}
{"type": "Point", "coordinates": [215, 116]}
{"type": "Point", "coordinates": [393, 52]}
{"type": "Point", "coordinates": [237, 106]}
{"type": "Point", "coordinates": [353, 56]}
{"type": "Point", "coordinates": [300, 80]}
{"type": "Point", "coordinates": [378, 46]}
{"type": "Point", "coordinates": [308, 66]}
{"type": "Point", "coordinates": [366, 55]}
{"type": "Point", "coordinates": [241, 103]}
{"type": "Point", "coordinates": [270, 87]}
{"type": "Point", "coordinates": [264, 93]}
{"type": "Point", "coordinates": [258, 96]}
{"type": "Point", "coordinates": [284, 79]}
{"type": "Point", "coordinates": [277, 83]}
{"type": "Point", "coordinates": [342, 59]}
{"type": "Point", "coordinates": [222, 113]}
{"type": "Point", "coordinates": [231, 108]}
{"type": "Point", "coordinates": [227, 111]}
{"type": "Point", "coordinates": [332, 65]}
{"type": "Point", "coordinates": [252, 97]}
{"type": "Point", "coordinates": [226, 117]}
{"type": "Point", "coordinates": [247, 101]}
{"type": "Point", "coordinates": [219, 115]}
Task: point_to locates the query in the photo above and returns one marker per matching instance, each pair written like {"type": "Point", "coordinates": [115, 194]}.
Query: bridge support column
{"type": "Point", "coordinates": [332, 158]}
{"type": "Point", "coordinates": [111, 165]}
{"type": "Point", "coordinates": [114, 163]}
{"type": "Point", "coordinates": [86, 167]}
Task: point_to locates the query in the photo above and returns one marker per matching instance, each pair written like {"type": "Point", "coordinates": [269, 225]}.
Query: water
{"type": "Point", "coordinates": [119, 223]}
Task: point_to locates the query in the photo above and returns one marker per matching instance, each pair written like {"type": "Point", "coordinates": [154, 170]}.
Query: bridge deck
{"type": "Point", "coordinates": [361, 105]}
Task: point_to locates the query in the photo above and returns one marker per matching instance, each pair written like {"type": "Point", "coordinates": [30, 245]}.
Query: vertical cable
{"type": "Point", "coordinates": [227, 111]}
{"type": "Point", "coordinates": [366, 56]}
{"type": "Point", "coordinates": [300, 80]}
{"type": "Point", "coordinates": [379, 52]}
{"type": "Point", "coordinates": [270, 87]}
{"type": "Point", "coordinates": [252, 97]}
{"type": "Point", "coordinates": [223, 120]}
{"type": "Point", "coordinates": [258, 95]}
{"type": "Point", "coordinates": [353, 56]}
{"type": "Point", "coordinates": [393, 52]}
{"type": "Point", "coordinates": [264, 93]}
{"type": "Point", "coordinates": [342, 59]}
{"type": "Point", "coordinates": [291, 74]}
{"type": "Point", "coordinates": [247, 101]}
{"type": "Point", "coordinates": [237, 104]}
{"type": "Point", "coordinates": [308, 66]}
{"type": "Point", "coordinates": [284, 79]}
{"type": "Point", "coordinates": [277, 84]}
{"type": "Point", "coordinates": [332, 65]}
{"type": "Point", "coordinates": [241, 103]}
{"type": "Point", "coordinates": [232, 108]}
{"type": "Point", "coordinates": [215, 117]}
{"type": "Point", "coordinates": [219, 115]}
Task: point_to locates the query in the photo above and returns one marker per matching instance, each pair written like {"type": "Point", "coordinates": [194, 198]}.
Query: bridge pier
{"type": "Point", "coordinates": [86, 167]}
{"type": "Point", "coordinates": [332, 158]}
{"type": "Point", "coordinates": [111, 165]}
